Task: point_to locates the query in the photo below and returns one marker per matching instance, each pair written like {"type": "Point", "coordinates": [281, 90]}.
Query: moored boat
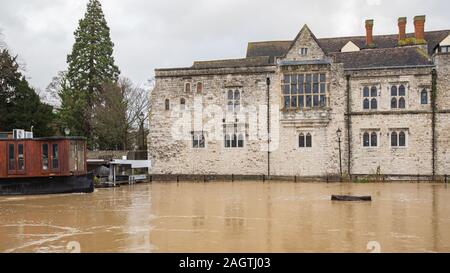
{"type": "Point", "coordinates": [44, 166]}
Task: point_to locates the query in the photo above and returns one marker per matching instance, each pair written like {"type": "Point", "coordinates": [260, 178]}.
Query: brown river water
{"type": "Point", "coordinates": [231, 217]}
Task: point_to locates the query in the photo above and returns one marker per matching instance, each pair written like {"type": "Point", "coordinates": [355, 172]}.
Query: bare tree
{"type": "Point", "coordinates": [120, 115]}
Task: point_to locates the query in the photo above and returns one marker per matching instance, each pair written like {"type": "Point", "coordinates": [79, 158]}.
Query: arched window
{"type": "Point", "coordinates": [398, 95]}
{"type": "Point", "coordinates": [373, 91]}
{"type": "Point", "coordinates": [394, 90]}
{"type": "Point", "coordinates": [234, 100]}
{"type": "Point", "coordinates": [237, 100]}
{"type": "Point", "coordinates": [182, 104]}
{"type": "Point", "coordinates": [401, 103]}
{"type": "Point", "coordinates": [187, 87]}
{"type": "Point", "coordinates": [305, 141]}
{"type": "Point", "coordinates": [199, 87]}
{"type": "Point", "coordinates": [308, 140]}
{"type": "Point", "coordinates": [167, 104]}
{"type": "Point", "coordinates": [394, 141]}
{"type": "Point", "coordinates": [195, 140]}
{"type": "Point", "coordinates": [402, 139]}
{"type": "Point", "coordinates": [227, 140]}
{"type": "Point", "coordinates": [301, 141]}
{"type": "Point", "coordinates": [370, 98]}
{"type": "Point", "coordinates": [240, 141]}
{"type": "Point", "coordinates": [424, 97]}
{"type": "Point", "coordinates": [373, 104]}
{"type": "Point", "coordinates": [402, 90]}
{"type": "Point", "coordinates": [394, 103]}
{"type": "Point", "coordinates": [374, 139]}
{"type": "Point", "coordinates": [366, 140]}
{"type": "Point", "coordinates": [366, 91]}
{"type": "Point", "coordinates": [230, 101]}
{"type": "Point", "coordinates": [233, 141]}
{"type": "Point", "coordinates": [366, 104]}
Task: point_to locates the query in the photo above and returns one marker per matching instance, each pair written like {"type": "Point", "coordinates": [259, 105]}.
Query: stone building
{"type": "Point", "coordinates": [309, 107]}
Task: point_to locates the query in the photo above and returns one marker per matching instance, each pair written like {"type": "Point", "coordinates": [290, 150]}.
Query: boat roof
{"type": "Point", "coordinates": [53, 138]}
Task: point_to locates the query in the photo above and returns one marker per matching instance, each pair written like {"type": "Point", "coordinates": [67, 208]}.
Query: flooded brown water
{"type": "Point", "coordinates": [230, 217]}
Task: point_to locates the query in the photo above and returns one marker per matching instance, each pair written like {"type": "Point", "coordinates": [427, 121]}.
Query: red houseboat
{"type": "Point", "coordinates": [44, 166]}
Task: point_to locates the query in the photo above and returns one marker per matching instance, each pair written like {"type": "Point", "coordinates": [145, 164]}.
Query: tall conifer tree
{"type": "Point", "coordinates": [90, 66]}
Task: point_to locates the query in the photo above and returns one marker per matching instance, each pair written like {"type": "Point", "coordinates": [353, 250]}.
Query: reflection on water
{"type": "Point", "coordinates": [230, 217]}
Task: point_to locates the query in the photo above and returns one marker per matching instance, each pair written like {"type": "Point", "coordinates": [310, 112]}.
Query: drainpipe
{"type": "Point", "coordinates": [268, 127]}
{"type": "Point", "coordinates": [433, 121]}
{"type": "Point", "coordinates": [349, 135]}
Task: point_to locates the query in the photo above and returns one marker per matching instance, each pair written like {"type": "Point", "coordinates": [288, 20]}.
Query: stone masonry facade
{"type": "Point", "coordinates": [309, 107]}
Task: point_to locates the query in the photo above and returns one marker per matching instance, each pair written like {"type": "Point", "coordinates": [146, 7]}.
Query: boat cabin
{"type": "Point", "coordinates": [42, 157]}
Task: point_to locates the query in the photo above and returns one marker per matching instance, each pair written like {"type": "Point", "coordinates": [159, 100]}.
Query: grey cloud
{"type": "Point", "coordinates": [172, 33]}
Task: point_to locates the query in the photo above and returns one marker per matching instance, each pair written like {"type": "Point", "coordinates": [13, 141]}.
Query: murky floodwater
{"type": "Point", "coordinates": [230, 217]}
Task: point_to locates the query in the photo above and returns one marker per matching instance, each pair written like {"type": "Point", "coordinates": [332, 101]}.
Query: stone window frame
{"type": "Point", "coordinates": [238, 137]}
{"type": "Point", "coordinates": [397, 98]}
{"type": "Point", "coordinates": [295, 92]}
{"type": "Point", "coordinates": [199, 87]}
{"type": "Point", "coordinates": [421, 93]}
{"type": "Point", "coordinates": [304, 136]}
{"type": "Point", "coordinates": [167, 104]}
{"type": "Point", "coordinates": [182, 104]}
{"type": "Point", "coordinates": [398, 131]}
{"type": "Point", "coordinates": [187, 87]}
{"type": "Point", "coordinates": [303, 51]}
{"type": "Point", "coordinates": [370, 102]}
{"type": "Point", "coordinates": [196, 140]}
{"type": "Point", "coordinates": [444, 49]}
{"type": "Point", "coordinates": [234, 102]}
{"type": "Point", "coordinates": [370, 133]}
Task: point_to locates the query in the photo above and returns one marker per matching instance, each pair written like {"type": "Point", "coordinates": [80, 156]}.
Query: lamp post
{"type": "Point", "coordinates": [339, 135]}
{"type": "Point", "coordinates": [67, 131]}
{"type": "Point", "coordinates": [141, 128]}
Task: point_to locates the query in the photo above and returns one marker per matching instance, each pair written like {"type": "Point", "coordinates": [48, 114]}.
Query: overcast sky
{"type": "Point", "coordinates": [152, 34]}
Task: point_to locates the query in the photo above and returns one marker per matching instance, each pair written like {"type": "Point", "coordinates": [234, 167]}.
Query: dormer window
{"type": "Point", "coordinates": [444, 49]}
{"type": "Point", "coordinates": [303, 51]}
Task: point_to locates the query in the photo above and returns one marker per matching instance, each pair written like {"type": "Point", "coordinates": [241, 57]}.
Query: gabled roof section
{"type": "Point", "coordinates": [446, 41]}
{"type": "Point", "coordinates": [383, 58]}
{"type": "Point", "coordinates": [350, 47]}
{"type": "Point", "coordinates": [332, 45]}
{"type": "Point", "coordinates": [305, 39]}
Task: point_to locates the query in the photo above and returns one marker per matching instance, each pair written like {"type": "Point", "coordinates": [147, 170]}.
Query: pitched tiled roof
{"type": "Point", "coordinates": [230, 63]}
{"type": "Point", "coordinates": [330, 45]}
{"type": "Point", "coordinates": [385, 57]}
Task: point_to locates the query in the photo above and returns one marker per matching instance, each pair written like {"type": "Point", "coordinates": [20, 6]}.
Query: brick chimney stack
{"type": "Point", "coordinates": [369, 33]}
{"type": "Point", "coordinates": [401, 28]}
{"type": "Point", "coordinates": [419, 26]}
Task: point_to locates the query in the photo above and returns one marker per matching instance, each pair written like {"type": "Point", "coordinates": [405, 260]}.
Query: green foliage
{"type": "Point", "coordinates": [20, 106]}
{"type": "Point", "coordinates": [111, 126]}
{"type": "Point", "coordinates": [90, 66]}
{"type": "Point", "coordinates": [411, 41]}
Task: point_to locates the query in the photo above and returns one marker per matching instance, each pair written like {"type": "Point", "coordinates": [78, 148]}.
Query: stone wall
{"type": "Point", "coordinates": [170, 139]}
{"type": "Point", "coordinates": [172, 152]}
{"type": "Point", "coordinates": [443, 116]}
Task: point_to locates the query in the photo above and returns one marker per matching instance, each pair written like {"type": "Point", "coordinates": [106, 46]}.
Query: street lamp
{"type": "Point", "coordinates": [339, 135]}
{"type": "Point", "coordinates": [67, 131]}
{"type": "Point", "coordinates": [141, 125]}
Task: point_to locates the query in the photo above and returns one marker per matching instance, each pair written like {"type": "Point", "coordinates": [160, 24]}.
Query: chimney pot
{"type": "Point", "coordinates": [369, 33]}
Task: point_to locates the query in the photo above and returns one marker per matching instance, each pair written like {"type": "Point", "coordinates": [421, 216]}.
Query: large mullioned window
{"type": "Point", "coordinates": [398, 138]}
{"type": "Point", "coordinates": [370, 98]}
{"type": "Point", "coordinates": [305, 140]}
{"type": "Point", "coordinates": [304, 91]}
{"type": "Point", "coordinates": [370, 139]}
{"type": "Point", "coordinates": [234, 100]}
{"type": "Point", "coordinates": [398, 97]}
